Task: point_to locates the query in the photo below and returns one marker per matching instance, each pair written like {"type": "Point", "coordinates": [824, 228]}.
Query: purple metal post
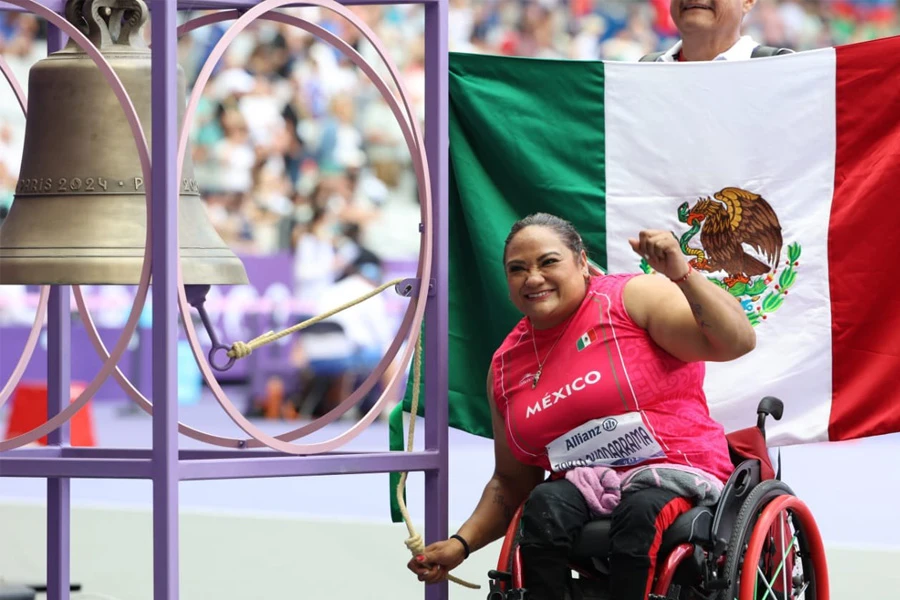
{"type": "Point", "coordinates": [437, 311]}
{"type": "Point", "coordinates": [59, 329]}
{"type": "Point", "coordinates": [59, 367]}
{"type": "Point", "coordinates": [164, 220]}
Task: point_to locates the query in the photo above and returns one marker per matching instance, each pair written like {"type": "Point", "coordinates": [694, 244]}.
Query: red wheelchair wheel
{"type": "Point", "coordinates": [776, 550]}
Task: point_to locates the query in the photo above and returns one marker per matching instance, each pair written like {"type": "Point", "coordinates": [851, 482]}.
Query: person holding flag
{"type": "Point", "coordinates": [711, 30]}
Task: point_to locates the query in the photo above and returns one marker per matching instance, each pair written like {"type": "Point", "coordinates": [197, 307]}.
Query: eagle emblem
{"type": "Point", "coordinates": [741, 247]}
{"type": "Point", "coordinates": [730, 225]}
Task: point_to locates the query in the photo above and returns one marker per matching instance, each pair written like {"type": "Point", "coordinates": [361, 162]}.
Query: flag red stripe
{"type": "Point", "coordinates": [864, 270]}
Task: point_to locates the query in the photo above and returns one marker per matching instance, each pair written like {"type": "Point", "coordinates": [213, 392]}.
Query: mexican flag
{"type": "Point", "coordinates": [795, 158]}
{"type": "Point", "coordinates": [587, 338]}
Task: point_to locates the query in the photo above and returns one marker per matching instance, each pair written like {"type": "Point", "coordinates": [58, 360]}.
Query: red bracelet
{"type": "Point", "coordinates": [686, 275]}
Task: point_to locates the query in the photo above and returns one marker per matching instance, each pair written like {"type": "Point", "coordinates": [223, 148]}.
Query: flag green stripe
{"type": "Point", "coordinates": [526, 135]}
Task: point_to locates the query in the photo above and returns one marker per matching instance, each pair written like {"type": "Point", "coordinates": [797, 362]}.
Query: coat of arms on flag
{"type": "Point", "coordinates": [734, 225]}
{"type": "Point", "coordinates": [587, 338]}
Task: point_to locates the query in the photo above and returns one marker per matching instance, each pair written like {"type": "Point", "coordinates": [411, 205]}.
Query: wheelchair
{"type": "Point", "coordinates": [760, 542]}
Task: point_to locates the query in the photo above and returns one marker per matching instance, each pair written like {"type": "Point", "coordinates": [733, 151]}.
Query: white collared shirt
{"type": "Point", "coordinates": [741, 50]}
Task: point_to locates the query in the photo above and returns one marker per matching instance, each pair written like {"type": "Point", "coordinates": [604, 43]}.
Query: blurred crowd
{"type": "Point", "coordinates": [294, 148]}
{"type": "Point", "coordinates": [295, 151]}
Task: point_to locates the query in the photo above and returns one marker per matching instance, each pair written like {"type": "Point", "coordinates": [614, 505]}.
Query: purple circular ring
{"type": "Point", "coordinates": [413, 140]}
{"type": "Point", "coordinates": [140, 140]}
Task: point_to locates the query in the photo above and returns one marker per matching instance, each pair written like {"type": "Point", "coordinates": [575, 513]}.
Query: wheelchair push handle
{"type": "Point", "coordinates": [768, 406]}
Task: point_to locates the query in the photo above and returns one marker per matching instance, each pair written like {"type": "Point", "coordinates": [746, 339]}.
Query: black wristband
{"type": "Point", "coordinates": [465, 544]}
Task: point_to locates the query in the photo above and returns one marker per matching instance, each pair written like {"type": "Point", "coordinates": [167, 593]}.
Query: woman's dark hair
{"type": "Point", "coordinates": [565, 230]}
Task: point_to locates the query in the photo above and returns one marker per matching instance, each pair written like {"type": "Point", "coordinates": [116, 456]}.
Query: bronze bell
{"type": "Point", "coordinates": [79, 214]}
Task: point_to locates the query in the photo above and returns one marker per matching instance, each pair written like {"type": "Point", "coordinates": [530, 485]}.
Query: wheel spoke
{"type": "Point", "coordinates": [777, 571]}
{"type": "Point", "coordinates": [768, 587]}
{"type": "Point", "coordinates": [789, 548]}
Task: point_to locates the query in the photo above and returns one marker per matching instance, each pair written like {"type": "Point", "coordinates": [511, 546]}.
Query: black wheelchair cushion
{"type": "Point", "coordinates": [694, 526]}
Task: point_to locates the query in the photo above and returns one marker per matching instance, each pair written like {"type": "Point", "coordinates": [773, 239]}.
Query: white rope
{"type": "Point", "coordinates": [414, 541]}
{"type": "Point", "coordinates": [244, 349]}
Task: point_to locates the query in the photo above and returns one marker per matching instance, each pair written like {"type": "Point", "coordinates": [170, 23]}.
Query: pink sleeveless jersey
{"type": "Point", "coordinates": [607, 395]}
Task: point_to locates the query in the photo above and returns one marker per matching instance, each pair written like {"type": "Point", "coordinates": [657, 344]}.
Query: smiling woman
{"type": "Point", "coordinates": [602, 371]}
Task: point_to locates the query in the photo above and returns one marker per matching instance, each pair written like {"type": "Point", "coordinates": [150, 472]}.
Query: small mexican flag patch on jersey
{"type": "Point", "coordinates": [587, 338]}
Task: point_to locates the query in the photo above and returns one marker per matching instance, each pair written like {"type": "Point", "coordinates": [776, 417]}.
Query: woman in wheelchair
{"type": "Point", "coordinates": [601, 384]}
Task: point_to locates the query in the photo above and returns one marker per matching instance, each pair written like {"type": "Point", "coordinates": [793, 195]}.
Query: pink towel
{"type": "Point", "coordinates": [600, 486]}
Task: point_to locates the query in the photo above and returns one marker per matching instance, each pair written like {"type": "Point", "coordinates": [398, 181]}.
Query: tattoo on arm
{"type": "Point", "coordinates": [504, 506]}
{"type": "Point", "coordinates": [697, 309]}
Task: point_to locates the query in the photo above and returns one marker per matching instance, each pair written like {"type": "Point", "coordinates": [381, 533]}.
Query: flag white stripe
{"type": "Point", "coordinates": [771, 131]}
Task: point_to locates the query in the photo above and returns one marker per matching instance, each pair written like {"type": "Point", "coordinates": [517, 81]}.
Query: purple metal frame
{"type": "Point", "coordinates": [59, 341]}
{"type": "Point", "coordinates": [164, 463]}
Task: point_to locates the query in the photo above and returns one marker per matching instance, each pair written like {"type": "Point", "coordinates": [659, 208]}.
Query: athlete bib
{"type": "Point", "coordinates": [619, 441]}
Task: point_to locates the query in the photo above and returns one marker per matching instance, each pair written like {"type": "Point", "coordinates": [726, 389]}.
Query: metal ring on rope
{"type": "Point", "coordinates": [140, 296]}
{"type": "Point", "coordinates": [413, 139]}
{"type": "Point", "coordinates": [424, 268]}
